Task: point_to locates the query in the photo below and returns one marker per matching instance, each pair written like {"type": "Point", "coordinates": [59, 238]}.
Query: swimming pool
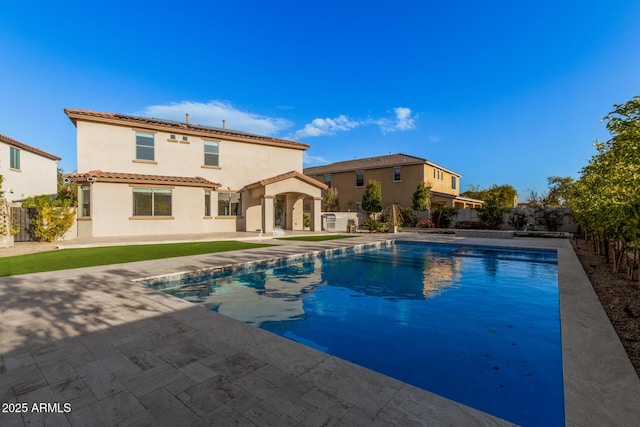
{"type": "Point", "coordinates": [478, 325]}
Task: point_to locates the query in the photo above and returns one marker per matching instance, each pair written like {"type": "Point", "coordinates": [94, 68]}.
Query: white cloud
{"type": "Point", "coordinates": [403, 121]}
{"type": "Point", "coordinates": [313, 160]}
{"type": "Point", "coordinates": [213, 112]}
{"type": "Point", "coordinates": [319, 127]}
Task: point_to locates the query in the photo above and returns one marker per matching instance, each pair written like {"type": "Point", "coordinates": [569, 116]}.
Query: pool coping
{"type": "Point", "coordinates": [83, 327]}
{"type": "Point", "coordinates": [600, 385]}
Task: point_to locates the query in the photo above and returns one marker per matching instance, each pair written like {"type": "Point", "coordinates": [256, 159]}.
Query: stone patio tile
{"type": "Point", "coordinates": [181, 351]}
{"type": "Point", "coordinates": [209, 395]}
{"type": "Point", "coordinates": [319, 418]}
{"type": "Point", "coordinates": [13, 361]}
{"type": "Point", "coordinates": [119, 409]}
{"type": "Point", "coordinates": [238, 365]}
{"type": "Point", "coordinates": [152, 379]}
{"type": "Point", "coordinates": [11, 420]}
{"type": "Point", "coordinates": [327, 402]}
{"type": "Point", "coordinates": [60, 350]}
{"type": "Point", "coordinates": [264, 414]}
{"type": "Point", "coordinates": [257, 385]}
{"type": "Point", "coordinates": [357, 417]}
{"type": "Point", "coordinates": [353, 384]}
{"type": "Point", "coordinates": [147, 360]}
{"type": "Point", "coordinates": [168, 409]}
{"type": "Point", "coordinates": [287, 355]}
{"type": "Point", "coordinates": [58, 371]}
{"type": "Point", "coordinates": [240, 403]}
{"type": "Point", "coordinates": [23, 380]}
{"type": "Point", "coordinates": [103, 375]}
{"type": "Point", "coordinates": [226, 416]}
{"type": "Point", "coordinates": [197, 371]}
{"type": "Point", "coordinates": [409, 407]}
{"type": "Point", "coordinates": [283, 403]}
{"type": "Point", "coordinates": [283, 380]}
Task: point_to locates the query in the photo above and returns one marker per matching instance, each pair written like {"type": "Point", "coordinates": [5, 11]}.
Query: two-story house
{"type": "Point", "coordinates": [398, 174]}
{"type": "Point", "coordinates": [143, 176]}
{"type": "Point", "coordinates": [27, 171]}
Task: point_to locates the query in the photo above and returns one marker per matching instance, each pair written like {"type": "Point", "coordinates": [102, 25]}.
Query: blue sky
{"type": "Point", "coordinates": [502, 92]}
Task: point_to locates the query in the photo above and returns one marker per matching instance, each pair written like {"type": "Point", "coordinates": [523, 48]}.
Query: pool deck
{"type": "Point", "coordinates": [123, 354]}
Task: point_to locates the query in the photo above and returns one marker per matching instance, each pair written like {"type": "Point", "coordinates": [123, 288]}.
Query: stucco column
{"type": "Point", "coordinates": [267, 214]}
{"type": "Point", "coordinates": [316, 210]}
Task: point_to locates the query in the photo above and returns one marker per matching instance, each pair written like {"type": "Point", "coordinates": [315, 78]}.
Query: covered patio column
{"type": "Point", "coordinates": [267, 214]}
{"type": "Point", "coordinates": [316, 209]}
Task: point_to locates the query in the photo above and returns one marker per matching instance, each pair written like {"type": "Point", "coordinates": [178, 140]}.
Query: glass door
{"type": "Point", "coordinates": [279, 212]}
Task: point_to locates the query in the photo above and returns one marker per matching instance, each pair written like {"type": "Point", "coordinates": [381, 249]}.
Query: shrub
{"type": "Point", "coordinates": [53, 219]}
{"type": "Point", "coordinates": [306, 220]}
{"type": "Point", "coordinates": [409, 217]}
{"type": "Point", "coordinates": [442, 217]}
{"type": "Point", "coordinates": [373, 225]}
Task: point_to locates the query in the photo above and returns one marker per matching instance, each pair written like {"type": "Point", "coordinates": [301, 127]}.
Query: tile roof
{"type": "Point", "coordinates": [26, 147]}
{"type": "Point", "coordinates": [282, 177]}
{"type": "Point", "coordinates": [181, 127]}
{"type": "Point", "coordinates": [371, 163]}
{"type": "Point", "coordinates": [137, 178]}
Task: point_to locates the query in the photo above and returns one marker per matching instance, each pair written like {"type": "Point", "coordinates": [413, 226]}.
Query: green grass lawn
{"type": "Point", "coordinates": [88, 257]}
{"type": "Point", "coordinates": [317, 238]}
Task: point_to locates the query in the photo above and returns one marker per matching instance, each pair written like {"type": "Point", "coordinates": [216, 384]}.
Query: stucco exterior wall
{"type": "Point", "coordinates": [112, 148]}
{"type": "Point", "coordinates": [112, 213]}
{"type": "Point", "coordinates": [37, 175]}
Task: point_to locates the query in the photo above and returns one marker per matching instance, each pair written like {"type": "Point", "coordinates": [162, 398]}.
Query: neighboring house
{"type": "Point", "coordinates": [399, 175]}
{"type": "Point", "coordinates": [143, 176]}
{"type": "Point", "coordinates": [27, 171]}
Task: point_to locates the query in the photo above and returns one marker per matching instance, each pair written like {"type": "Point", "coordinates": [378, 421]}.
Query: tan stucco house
{"type": "Point", "coordinates": [143, 176]}
{"type": "Point", "coordinates": [27, 171]}
{"type": "Point", "coordinates": [398, 174]}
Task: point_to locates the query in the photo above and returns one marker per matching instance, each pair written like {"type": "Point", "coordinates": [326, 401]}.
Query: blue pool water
{"type": "Point", "coordinates": [478, 325]}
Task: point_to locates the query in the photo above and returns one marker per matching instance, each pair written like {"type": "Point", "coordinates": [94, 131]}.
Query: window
{"type": "Point", "coordinates": [435, 173]}
{"type": "Point", "coordinates": [151, 202]}
{"type": "Point", "coordinates": [454, 182]}
{"type": "Point", "coordinates": [144, 146]}
{"type": "Point", "coordinates": [211, 153]}
{"type": "Point", "coordinates": [85, 201]}
{"type": "Point", "coordinates": [396, 174]}
{"type": "Point", "coordinates": [327, 179]}
{"type": "Point", "coordinates": [359, 178]}
{"type": "Point", "coordinates": [14, 158]}
{"type": "Point", "coordinates": [172, 136]}
{"type": "Point", "coordinates": [229, 204]}
{"type": "Point", "coordinates": [185, 139]}
{"type": "Point", "coordinates": [207, 203]}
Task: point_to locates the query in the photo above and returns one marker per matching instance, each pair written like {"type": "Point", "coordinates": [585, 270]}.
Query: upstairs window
{"type": "Point", "coordinates": [327, 179]}
{"type": "Point", "coordinates": [14, 158]}
{"type": "Point", "coordinates": [359, 178]}
{"type": "Point", "coordinates": [229, 204]}
{"type": "Point", "coordinates": [144, 146]}
{"type": "Point", "coordinates": [396, 174]}
{"type": "Point", "coordinates": [454, 182]}
{"type": "Point", "coordinates": [211, 153]}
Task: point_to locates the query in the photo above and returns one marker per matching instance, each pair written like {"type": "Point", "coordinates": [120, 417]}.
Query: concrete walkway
{"type": "Point", "coordinates": [119, 353]}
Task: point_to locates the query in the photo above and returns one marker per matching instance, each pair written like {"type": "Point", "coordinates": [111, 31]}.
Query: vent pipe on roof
{"type": "Point", "coordinates": [187, 117]}
{"type": "Point", "coordinates": [224, 124]}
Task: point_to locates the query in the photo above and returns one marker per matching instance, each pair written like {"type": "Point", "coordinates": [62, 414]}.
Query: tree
{"type": "Point", "coordinates": [372, 197]}
{"type": "Point", "coordinates": [331, 203]}
{"type": "Point", "coordinates": [66, 191]}
{"type": "Point", "coordinates": [421, 197]}
{"type": "Point", "coordinates": [492, 212]}
{"type": "Point", "coordinates": [505, 194]}
{"type": "Point", "coordinates": [559, 194]}
{"type": "Point", "coordinates": [606, 198]}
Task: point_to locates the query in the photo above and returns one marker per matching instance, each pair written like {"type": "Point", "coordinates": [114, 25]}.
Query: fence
{"type": "Point", "coordinates": [22, 218]}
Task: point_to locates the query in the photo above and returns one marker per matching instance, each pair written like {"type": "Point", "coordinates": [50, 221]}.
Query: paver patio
{"type": "Point", "coordinates": [122, 354]}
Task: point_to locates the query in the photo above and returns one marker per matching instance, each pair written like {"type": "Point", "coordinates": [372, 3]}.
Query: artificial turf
{"type": "Point", "coordinates": [89, 257]}
{"type": "Point", "coordinates": [316, 238]}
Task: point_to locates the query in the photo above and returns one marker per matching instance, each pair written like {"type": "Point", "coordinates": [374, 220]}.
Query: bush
{"type": "Point", "coordinates": [409, 217]}
{"type": "Point", "coordinates": [373, 225]}
{"type": "Point", "coordinates": [442, 217]}
{"type": "Point", "coordinates": [518, 220]}
{"type": "Point", "coordinates": [306, 220]}
{"type": "Point", "coordinates": [53, 218]}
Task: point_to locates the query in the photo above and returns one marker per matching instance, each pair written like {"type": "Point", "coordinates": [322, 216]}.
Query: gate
{"type": "Point", "coordinates": [22, 217]}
